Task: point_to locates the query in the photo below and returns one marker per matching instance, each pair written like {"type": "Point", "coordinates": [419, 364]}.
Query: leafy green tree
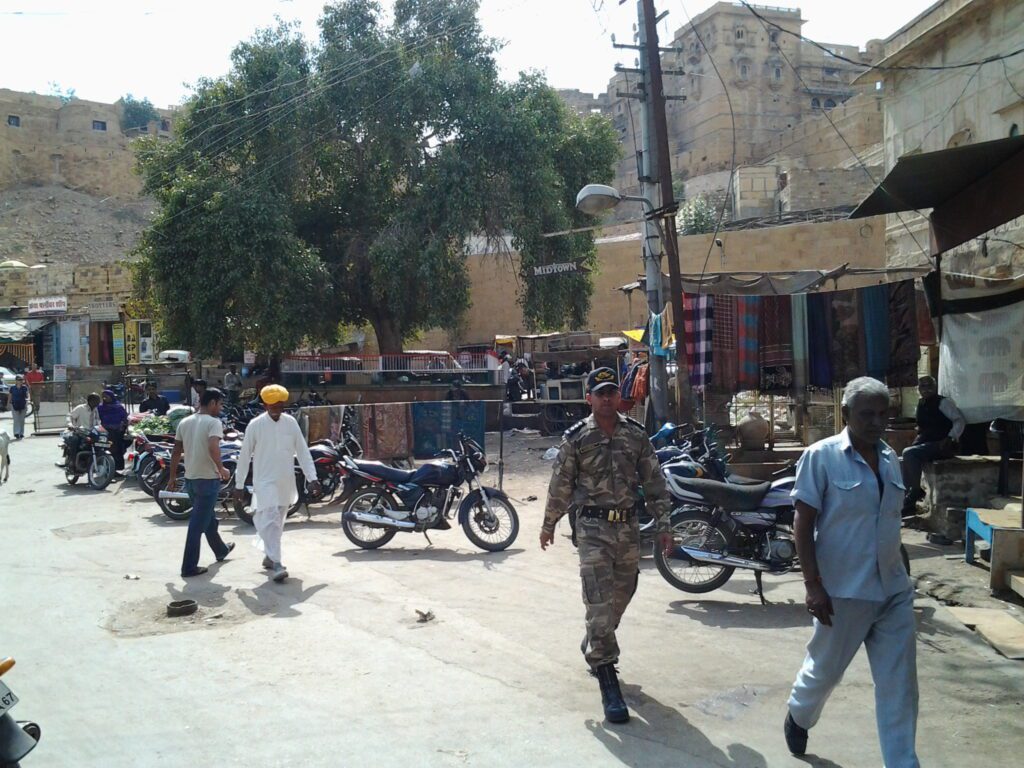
{"type": "Point", "coordinates": [136, 113]}
{"type": "Point", "coordinates": [368, 164]}
{"type": "Point", "coordinates": [697, 216]}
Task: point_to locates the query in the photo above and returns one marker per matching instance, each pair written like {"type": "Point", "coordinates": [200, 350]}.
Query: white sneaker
{"type": "Point", "coordinates": [280, 573]}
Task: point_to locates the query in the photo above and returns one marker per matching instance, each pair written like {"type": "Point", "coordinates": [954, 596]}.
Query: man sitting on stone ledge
{"type": "Point", "coordinates": [939, 426]}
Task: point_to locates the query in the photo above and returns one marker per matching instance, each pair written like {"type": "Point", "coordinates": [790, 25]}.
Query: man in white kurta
{"type": "Point", "coordinates": [272, 442]}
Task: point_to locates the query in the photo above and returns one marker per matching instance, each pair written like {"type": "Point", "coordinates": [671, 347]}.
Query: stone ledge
{"type": "Point", "coordinates": [952, 485]}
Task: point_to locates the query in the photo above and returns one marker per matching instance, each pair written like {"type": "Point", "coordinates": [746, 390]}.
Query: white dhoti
{"type": "Point", "coordinates": [886, 629]}
{"type": "Point", "coordinates": [269, 522]}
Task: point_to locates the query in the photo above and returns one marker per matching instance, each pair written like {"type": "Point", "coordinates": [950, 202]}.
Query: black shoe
{"type": "Point", "coordinates": [796, 737]}
{"type": "Point", "coordinates": [231, 546]}
{"type": "Point", "coordinates": [197, 572]}
{"type": "Point", "coordinates": [615, 710]}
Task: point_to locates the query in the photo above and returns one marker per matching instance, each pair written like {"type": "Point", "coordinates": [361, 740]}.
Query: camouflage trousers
{"type": "Point", "coordinates": [609, 569]}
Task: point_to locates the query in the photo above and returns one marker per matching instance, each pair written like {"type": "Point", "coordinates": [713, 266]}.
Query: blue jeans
{"type": "Point", "coordinates": [202, 520]}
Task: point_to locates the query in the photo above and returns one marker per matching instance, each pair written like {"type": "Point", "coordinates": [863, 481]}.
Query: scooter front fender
{"type": "Point", "coordinates": [14, 742]}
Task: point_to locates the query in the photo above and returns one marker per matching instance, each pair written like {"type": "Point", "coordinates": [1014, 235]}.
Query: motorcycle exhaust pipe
{"type": "Point", "coordinates": [380, 521]}
{"type": "Point", "coordinates": [177, 496]}
{"type": "Point", "coordinates": [714, 558]}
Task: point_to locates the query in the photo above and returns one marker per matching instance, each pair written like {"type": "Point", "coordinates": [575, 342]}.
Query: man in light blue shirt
{"type": "Point", "coordinates": [849, 493]}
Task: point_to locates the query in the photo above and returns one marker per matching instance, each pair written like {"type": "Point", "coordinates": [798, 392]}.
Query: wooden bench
{"type": "Point", "coordinates": [1001, 529]}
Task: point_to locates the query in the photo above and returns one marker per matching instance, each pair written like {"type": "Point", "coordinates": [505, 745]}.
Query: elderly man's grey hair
{"type": "Point", "coordinates": [864, 386]}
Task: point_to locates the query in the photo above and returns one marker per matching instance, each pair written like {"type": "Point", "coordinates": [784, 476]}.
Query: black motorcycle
{"type": "Point", "coordinates": [17, 738]}
{"type": "Point", "coordinates": [87, 452]}
{"type": "Point", "coordinates": [416, 501]}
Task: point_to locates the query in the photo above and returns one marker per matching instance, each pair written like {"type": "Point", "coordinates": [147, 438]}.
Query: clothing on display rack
{"type": "Point", "coordinates": [874, 301]}
{"type": "Point", "coordinates": [800, 353]}
{"type": "Point", "coordinates": [748, 313]}
{"type": "Point", "coordinates": [724, 371]}
{"type": "Point", "coordinates": [904, 347]}
{"type": "Point", "coordinates": [819, 340]}
{"type": "Point", "coordinates": [698, 321]}
{"type": "Point", "coordinates": [775, 336]}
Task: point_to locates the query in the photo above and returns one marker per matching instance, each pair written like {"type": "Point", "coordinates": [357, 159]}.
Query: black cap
{"type": "Point", "coordinates": [601, 378]}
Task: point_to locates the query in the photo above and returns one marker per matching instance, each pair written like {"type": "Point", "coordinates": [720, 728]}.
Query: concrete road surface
{"type": "Point", "coordinates": [332, 668]}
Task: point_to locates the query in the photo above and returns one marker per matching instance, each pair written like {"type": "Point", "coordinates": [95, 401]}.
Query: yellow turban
{"type": "Point", "coordinates": [274, 393]}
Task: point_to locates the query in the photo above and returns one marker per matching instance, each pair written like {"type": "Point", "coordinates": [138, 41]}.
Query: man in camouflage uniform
{"type": "Point", "coordinates": [602, 462]}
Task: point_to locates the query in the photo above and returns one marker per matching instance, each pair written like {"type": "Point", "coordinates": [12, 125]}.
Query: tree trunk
{"type": "Point", "coordinates": [389, 335]}
{"type": "Point", "coordinates": [275, 368]}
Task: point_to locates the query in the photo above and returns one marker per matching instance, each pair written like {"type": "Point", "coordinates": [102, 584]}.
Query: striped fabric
{"type": "Point", "coordinates": [748, 312]}
{"type": "Point", "coordinates": [698, 321]}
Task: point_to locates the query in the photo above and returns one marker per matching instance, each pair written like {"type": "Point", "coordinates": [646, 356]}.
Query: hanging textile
{"type": "Point", "coordinates": [904, 349]}
{"type": "Point", "coordinates": [748, 312]}
{"type": "Point", "coordinates": [724, 370]}
{"type": "Point", "coordinates": [925, 325]}
{"type": "Point", "coordinates": [698, 320]}
{"type": "Point", "coordinates": [874, 303]}
{"type": "Point", "coordinates": [800, 352]}
{"type": "Point", "coordinates": [640, 384]}
{"type": "Point", "coordinates": [776, 338]}
{"type": "Point", "coordinates": [655, 342]}
{"type": "Point", "coordinates": [667, 337]}
{"type": "Point", "coordinates": [848, 342]}
{"type": "Point", "coordinates": [819, 340]}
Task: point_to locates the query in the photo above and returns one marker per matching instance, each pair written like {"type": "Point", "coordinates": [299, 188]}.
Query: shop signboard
{"type": "Point", "coordinates": [131, 342]}
{"type": "Point", "coordinates": [48, 305]}
{"type": "Point", "coordinates": [249, 357]}
{"type": "Point", "coordinates": [60, 372]}
{"type": "Point", "coordinates": [104, 311]}
{"type": "Point", "coordinates": [117, 341]}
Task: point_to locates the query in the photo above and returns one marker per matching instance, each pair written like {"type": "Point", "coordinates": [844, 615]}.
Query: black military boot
{"type": "Point", "coordinates": [615, 710]}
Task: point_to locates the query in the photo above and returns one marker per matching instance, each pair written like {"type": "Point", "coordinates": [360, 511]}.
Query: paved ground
{"type": "Point", "coordinates": [332, 668]}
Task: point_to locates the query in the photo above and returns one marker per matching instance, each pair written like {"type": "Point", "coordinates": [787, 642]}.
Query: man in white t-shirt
{"type": "Point", "coordinates": [198, 438]}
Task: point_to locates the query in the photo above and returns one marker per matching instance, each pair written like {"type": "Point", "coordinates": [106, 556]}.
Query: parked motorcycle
{"type": "Point", "coordinates": [87, 452]}
{"type": "Point", "coordinates": [719, 527]}
{"type": "Point", "coordinates": [172, 498]}
{"type": "Point", "coordinates": [17, 737]}
{"type": "Point", "coordinates": [396, 500]}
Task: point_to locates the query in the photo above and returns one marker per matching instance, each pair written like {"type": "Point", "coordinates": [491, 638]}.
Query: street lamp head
{"type": "Point", "coordinates": [597, 198]}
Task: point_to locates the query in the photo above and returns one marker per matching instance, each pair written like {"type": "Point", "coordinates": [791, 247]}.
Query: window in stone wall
{"type": "Point", "coordinates": [1014, 130]}
{"type": "Point", "coordinates": [99, 125]}
{"type": "Point", "coordinates": [739, 33]}
{"type": "Point", "coordinates": [778, 73]}
{"type": "Point", "coordinates": [815, 104]}
{"type": "Point", "coordinates": [165, 124]}
{"type": "Point", "coordinates": [829, 103]}
{"type": "Point", "coordinates": [14, 121]}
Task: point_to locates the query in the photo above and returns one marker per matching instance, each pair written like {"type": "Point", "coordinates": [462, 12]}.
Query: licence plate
{"type": "Point", "coordinates": [7, 698]}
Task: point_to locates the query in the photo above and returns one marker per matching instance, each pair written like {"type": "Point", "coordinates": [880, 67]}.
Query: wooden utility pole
{"type": "Point", "coordinates": [655, 96]}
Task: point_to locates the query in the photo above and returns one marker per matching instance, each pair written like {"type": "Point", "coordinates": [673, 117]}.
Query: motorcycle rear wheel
{"type": "Point", "coordinates": [691, 527]}
{"type": "Point", "coordinates": [101, 472]}
{"type": "Point", "coordinates": [362, 535]}
{"type": "Point", "coordinates": [176, 509]}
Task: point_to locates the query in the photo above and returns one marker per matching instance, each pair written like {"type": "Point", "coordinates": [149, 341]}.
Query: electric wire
{"type": "Point", "coordinates": [839, 133]}
{"type": "Point", "coordinates": [732, 161]}
{"type": "Point", "coordinates": [875, 67]}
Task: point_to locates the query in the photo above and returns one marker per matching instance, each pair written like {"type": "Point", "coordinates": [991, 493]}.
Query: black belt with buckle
{"type": "Point", "coordinates": [611, 515]}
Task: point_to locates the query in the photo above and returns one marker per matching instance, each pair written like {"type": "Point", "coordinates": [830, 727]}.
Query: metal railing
{"type": "Point", "coordinates": [441, 362]}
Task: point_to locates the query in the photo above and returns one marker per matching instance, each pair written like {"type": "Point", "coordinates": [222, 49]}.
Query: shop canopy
{"type": "Point", "coordinates": [970, 189]}
{"type": "Point", "coordinates": [12, 331]}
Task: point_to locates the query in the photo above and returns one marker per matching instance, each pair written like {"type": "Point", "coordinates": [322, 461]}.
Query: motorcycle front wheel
{"type": "Point", "coordinates": [101, 471]}
{"type": "Point", "coordinates": [71, 477]}
{"type": "Point", "coordinates": [693, 528]}
{"type": "Point", "coordinates": [365, 536]}
{"type": "Point", "coordinates": [492, 530]}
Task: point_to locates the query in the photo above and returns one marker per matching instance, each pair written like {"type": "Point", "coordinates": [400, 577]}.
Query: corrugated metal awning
{"type": "Point", "coordinates": [17, 330]}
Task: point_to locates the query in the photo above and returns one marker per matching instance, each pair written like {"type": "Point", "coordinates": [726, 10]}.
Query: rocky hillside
{"type": "Point", "coordinates": [60, 226]}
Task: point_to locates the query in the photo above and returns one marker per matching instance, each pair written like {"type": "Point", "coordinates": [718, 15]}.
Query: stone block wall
{"type": "Point", "coordinates": [952, 485]}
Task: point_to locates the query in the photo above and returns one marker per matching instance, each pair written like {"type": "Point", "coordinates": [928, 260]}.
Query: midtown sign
{"type": "Point", "coordinates": [556, 269]}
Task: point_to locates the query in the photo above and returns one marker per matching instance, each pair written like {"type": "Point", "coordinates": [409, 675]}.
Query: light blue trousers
{"type": "Point", "coordinates": [886, 629]}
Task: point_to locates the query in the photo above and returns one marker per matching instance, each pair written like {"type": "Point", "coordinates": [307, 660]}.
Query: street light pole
{"type": "Point", "coordinates": [655, 104]}
{"type": "Point", "coordinates": [652, 247]}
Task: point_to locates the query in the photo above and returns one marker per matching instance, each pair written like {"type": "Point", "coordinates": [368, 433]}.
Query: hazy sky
{"type": "Point", "coordinates": [106, 48]}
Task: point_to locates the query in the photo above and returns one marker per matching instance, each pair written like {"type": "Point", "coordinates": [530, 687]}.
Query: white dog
{"type": "Point", "coordinates": [5, 459]}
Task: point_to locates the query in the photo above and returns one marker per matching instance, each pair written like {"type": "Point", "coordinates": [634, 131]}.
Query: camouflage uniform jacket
{"type": "Point", "coordinates": [595, 470]}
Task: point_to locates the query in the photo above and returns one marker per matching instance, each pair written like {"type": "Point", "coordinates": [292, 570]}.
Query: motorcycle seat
{"type": "Point", "coordinates": [385, 472]}
{"type": "Point", "coordinates": [734, 498]}
{"type": "Point", "coordinates": [741, 480]}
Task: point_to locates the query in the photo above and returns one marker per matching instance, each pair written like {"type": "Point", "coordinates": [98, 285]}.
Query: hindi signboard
{"type": "Point", "coordinates": [48, 305]}
{"type": "Point", "coordinates": [60, 372]}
